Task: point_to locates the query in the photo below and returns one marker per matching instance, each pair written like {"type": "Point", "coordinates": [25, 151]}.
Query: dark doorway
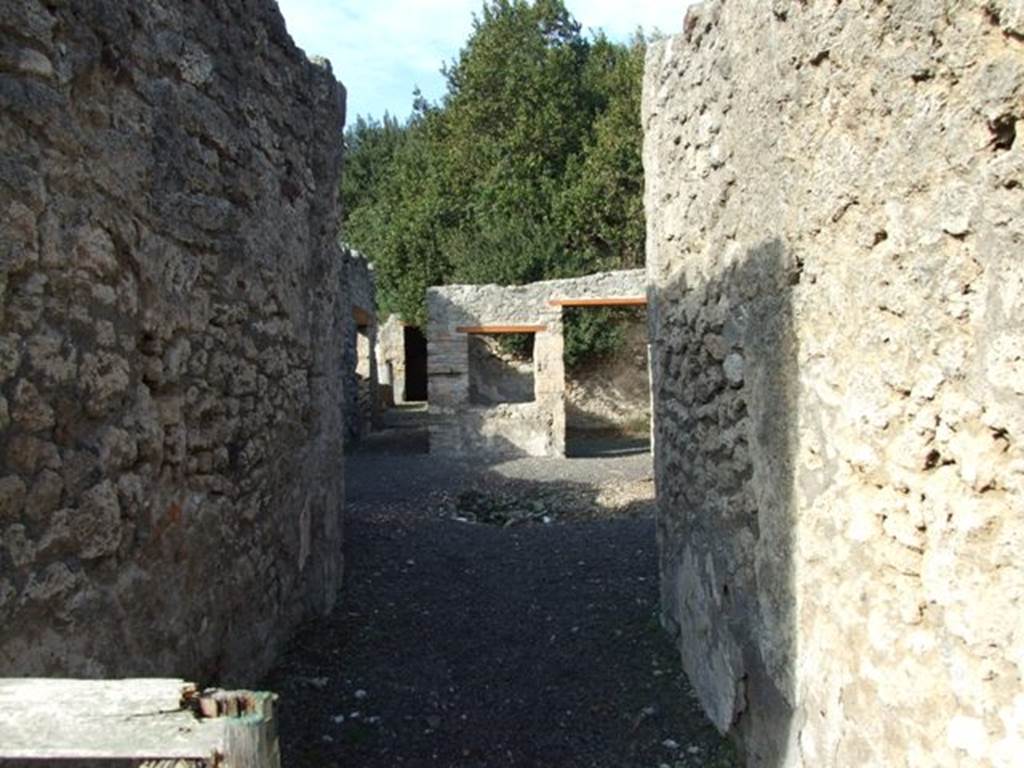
{"type": "Point", "coordinates": [415, 365]}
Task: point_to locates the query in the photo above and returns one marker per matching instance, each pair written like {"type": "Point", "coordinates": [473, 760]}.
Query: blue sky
{"type": "Point", "coordinates": [382, 49]}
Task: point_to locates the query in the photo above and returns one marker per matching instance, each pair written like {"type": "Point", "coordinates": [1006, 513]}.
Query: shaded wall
{"type": "Point", "coordinates": [170, 388]}
{"type": "Point", "coordinates": [834, 238]}
{"type": "Point", "coordinates": [360, 355]}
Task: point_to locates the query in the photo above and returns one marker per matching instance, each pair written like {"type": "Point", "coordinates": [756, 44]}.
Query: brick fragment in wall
{"type": "Point", "coordinates": [833, 203]}
{"type": "Point", "coordinates": [171, 299]}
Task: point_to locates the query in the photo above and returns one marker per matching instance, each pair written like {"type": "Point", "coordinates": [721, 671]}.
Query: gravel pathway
{"type": "Point", "coordinates": [465, 644]}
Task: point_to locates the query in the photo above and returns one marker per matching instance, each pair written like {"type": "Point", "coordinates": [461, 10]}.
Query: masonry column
{"type": "Point", "coordinates": [447, 375]}
{"type": "Point", "coordinates": [549, 378]}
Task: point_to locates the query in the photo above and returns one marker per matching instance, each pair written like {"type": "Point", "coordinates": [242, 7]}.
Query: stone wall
{"type": "Point", "coordinates": [170, 397]}
{"type": "Point", "coordinates": [536, 428]}
{"type": "Point", "coordinates": [362, 398]}
{"type": "Point", "coordinates": [391, 360]}
{"type": "Point", "coordinates": [834, 198]}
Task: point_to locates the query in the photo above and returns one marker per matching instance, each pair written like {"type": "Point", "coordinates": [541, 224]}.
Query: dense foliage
{"type": "Point", "coordinates": [528, 169]}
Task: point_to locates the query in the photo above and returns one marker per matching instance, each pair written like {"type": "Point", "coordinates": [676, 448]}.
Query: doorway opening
{"type": "Point", "coordinates": [415, 365]}
{"type": "Point", "coordinates": [607, 380]}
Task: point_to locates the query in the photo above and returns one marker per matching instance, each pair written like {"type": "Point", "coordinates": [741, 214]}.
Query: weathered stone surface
{"type": "Point", "coordinates": [834, 191]}
{"type": "Point", "coordinates": [362, 399]}
{"type": "Point", "coordinates": [535, 428]}
{"type": "Point", "coordinates": [391, 360]}
{"type": "Point", "coordinates": [171, 304]}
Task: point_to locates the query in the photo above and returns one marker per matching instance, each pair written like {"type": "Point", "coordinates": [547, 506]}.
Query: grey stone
{"type": "Point", "coordinates": [733, 367]}
{"type": "Point", "coordinates": [182, 249]}
{"type": "Point", "coordinates": [20, 548]}
{"type": "Point", "coordinates": [31, 412]}
{"type": "Point", "coordinates": [12, 498]}
{"type": "Point", "coordinates": [10, 357]}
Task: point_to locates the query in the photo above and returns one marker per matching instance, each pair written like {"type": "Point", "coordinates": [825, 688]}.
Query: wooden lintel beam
{"type": "Point", "coordinates": [609, 301]}
{"type": "Point", "coordinates": [501, 329]}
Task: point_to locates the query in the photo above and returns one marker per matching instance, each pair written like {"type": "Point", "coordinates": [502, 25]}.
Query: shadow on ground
{"type": "Point", "coordinates": [466, 644]}
{"type": "Point", "coordinates": [608, 443]}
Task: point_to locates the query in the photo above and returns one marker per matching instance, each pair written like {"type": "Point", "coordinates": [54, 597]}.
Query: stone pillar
{"type": "Point", "coordinates": [448, 385]}
{"type": "Point", "coordinates": [549, 382]}
{"type": "Point", "coordinates": [172, 309]}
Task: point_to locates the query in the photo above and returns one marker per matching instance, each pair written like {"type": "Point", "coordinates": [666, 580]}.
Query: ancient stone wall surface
{"type": "Point", "coordinates": [834, 197]}
{"type": "Point", "coordinates": [170, 389]}
{"type": "Point", "coordinates": [362, 403]}
{"type": "Point", "coordinates": [536, 428]}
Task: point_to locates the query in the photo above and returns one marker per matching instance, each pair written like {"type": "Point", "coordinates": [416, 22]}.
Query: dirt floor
{"type": "Point", "coordinates": [500, 615]}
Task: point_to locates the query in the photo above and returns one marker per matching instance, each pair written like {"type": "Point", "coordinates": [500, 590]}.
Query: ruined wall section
{"type": "Point", "coordinates": [613, 393]}
{"type": "Point", "coordinates": [170, 389]}
{"type": "Point", "coordinates": [362, 399]}
{"type": "Point", "coordinates": [536, 428]}
{"type": "Point", "coordinates": [391, 360]}
{"type": "Point", "coordinates": [834, 195]}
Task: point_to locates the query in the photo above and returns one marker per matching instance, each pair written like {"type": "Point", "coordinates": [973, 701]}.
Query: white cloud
{"type": "Point", "coordinates": [382, 50]}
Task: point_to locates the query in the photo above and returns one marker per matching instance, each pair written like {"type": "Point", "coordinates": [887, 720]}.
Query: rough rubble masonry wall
{"type": "Point", "coordinates": [835, 237]}
{"type": "Point", "coordinates": [170, 388]}
{"type": "Point", "coordinates": [360, 346]}
{"type": "Point", "coordinates": [534, 429]}
{"type": "Point", "coordinates": [391, 361]}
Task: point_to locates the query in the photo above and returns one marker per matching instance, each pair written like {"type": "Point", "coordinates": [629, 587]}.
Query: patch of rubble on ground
{"type": "Point", "coordinates": [507, 503]}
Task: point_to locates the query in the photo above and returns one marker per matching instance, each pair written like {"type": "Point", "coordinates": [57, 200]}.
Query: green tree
{"type": "Point", "coordinates": [601, 210]}
{"type": "Point", "coordinates": [369, 148]}
{"type": "Point", "coordinates": [528, 169]}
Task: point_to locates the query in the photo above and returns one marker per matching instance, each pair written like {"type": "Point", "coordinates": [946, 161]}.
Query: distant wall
{"type": "Point", "coordinates": [613, 393]}
{"type": "Point", "coordinates": [362, 396]}
{"type": "Point", "coordinates": [533, 428]}
{"type": "Point", "coordinates": [834, 198]}
{"type": "Point", "coordinates": [170, 309]}
{"type": "Point", "coordinates": [391, 360]}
